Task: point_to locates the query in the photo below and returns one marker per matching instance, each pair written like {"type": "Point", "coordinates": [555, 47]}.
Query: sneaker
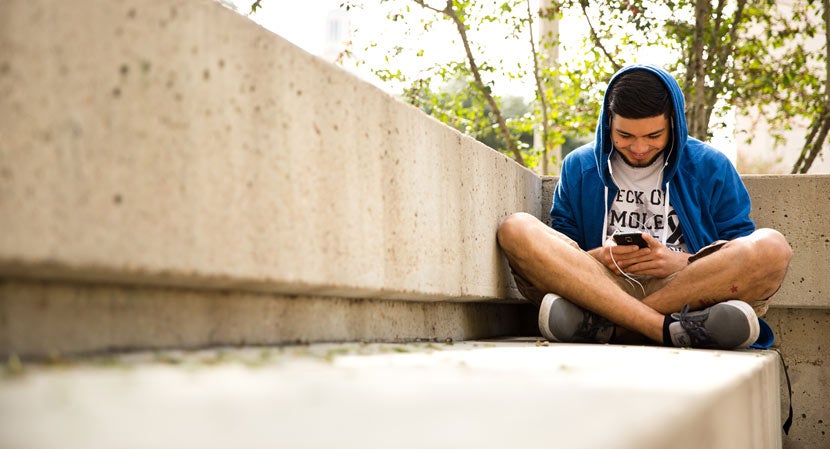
{"type": "Point", "coordinates": [563, 321]}
{"type": "Point", "coordinates": [727, 325]}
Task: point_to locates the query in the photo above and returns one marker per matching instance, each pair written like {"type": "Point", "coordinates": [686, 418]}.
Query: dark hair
{"type": "Point", "coordinates": [639, 94]}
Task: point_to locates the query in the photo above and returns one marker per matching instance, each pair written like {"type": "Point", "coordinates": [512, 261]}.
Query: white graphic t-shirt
{"type": "Point", "coordinates": [639, 204]}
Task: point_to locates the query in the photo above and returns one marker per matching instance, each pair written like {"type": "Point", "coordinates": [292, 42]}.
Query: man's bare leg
{"type": "Point", "coordinates": [553, 265]}
{"type": "Point", "coordinates": [748, 268]}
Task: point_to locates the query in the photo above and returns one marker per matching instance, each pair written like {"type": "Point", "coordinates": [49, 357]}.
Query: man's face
{"type": "Point", "coordinates": [640, 141]}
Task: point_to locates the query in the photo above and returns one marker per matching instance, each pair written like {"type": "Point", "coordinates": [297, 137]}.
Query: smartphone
{"type": "Point", "coordinates": [631, 238]}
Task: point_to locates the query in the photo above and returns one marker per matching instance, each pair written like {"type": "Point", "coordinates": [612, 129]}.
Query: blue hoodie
{"type": "Point", "coordinates": [700, 183]}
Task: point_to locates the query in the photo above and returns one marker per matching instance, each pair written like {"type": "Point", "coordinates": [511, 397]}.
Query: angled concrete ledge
{"type": "Point", "coordinates": [47, 319]}
{"type": "Point", "coordinates": [470, 395]}
{"type": "Point", "coordinates": [177, 144]}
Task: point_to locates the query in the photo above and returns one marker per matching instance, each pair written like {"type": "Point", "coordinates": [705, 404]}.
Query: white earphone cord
{"type": "Point", "coordinates": [627, 276]}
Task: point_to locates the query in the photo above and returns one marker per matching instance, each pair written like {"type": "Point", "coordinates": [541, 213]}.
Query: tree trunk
{"type": "Point", "coordinates": [821, 125]}
{"type": "Point", "coordinates": [696, 74]}
{"type": "Point", "coordinates": [549, 30]}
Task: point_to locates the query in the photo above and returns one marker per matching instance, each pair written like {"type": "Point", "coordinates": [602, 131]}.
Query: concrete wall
{"type": "Point", "coordinates": [173, 151]}
{"type": "Point", "coordinates": [174, 143]}
{"type": "Point", "coordinates": [799, 207]}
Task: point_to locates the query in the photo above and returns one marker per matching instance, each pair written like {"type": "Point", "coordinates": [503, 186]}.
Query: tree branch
{"type": "Point", "coordinates": [595, 37]}
{"type": "Point", "coordinates": [439, 11]}
{"type": "Point", "coordinates": [449, 11]}
{"type": "Point", "coordinates": [723, 49]}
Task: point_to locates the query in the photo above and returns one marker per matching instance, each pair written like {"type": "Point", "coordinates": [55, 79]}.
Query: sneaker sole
{"type": "Point", "coordinates": [749, 312]}
{"type": "Point", "coordinates": [544, 316]}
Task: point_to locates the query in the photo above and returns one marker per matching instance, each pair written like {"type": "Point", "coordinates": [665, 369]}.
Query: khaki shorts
{"type": "Point", "coordinates": [649, 284]}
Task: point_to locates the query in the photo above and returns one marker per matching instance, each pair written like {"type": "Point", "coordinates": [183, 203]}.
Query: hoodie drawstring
{"type": "Point", "coordinates": [666, 215]}
{"type": "Point", "coordinates": [605, 218]}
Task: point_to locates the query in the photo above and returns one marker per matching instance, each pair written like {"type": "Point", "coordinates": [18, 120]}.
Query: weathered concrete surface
{"type": "Point", "coordinates": [803, 336]}
{"type": "Point", "coordinates": [174, 143]}
{"type": "Point", "coordinates": [481, 395]}
{"type": "Point", "coordinates": [799, 207]}
{"type": "Point", "coordinates": [52, 318]}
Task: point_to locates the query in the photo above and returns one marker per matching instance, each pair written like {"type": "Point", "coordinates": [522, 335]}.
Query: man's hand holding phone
{"type": "Point", "coordinates": [631, 238]}
{"type": "Point", "coordinates": [622, 251]}
{"type": "Point", "coordinates": [641, 254]}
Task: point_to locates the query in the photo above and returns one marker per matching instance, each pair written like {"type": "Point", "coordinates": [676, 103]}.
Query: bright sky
{"type": "Point", "coordinates": [306, 24]}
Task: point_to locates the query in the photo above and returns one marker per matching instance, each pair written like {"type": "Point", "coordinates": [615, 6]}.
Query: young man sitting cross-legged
{"type": "Point", "coordinates": [705, 274]}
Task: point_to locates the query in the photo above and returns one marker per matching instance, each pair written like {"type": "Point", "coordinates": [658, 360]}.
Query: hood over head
{"type": "Point", "coordinates": [603, 145]}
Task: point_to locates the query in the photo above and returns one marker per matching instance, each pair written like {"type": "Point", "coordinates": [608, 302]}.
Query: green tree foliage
{"type": "Point", "coordinates": [461, 92]}
{"type": "Point", "coordinates": [743, 54]}
{"type": "Point", "coordinates": [457, 105]}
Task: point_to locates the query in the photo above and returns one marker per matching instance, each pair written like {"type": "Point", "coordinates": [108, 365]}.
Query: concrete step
{"type": "Point", "coordinates": [50, 318]}
{"type": "Point", "coordinates": [488, 394]}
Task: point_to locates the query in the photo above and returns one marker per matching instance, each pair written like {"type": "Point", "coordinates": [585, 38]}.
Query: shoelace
{"type": "Point", "coordinates": [693, 326]}
{"type": "Point", "coordinates": [591, 325]}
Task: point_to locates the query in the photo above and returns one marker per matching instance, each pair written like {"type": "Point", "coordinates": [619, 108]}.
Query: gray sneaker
{"type": "Point", "coordinates": [727, 325]}
{"type": "Point", "coordinates": [563, 321]}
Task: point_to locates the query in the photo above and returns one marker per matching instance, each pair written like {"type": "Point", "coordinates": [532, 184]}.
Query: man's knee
{"type": "Point", "coordinates": [767, 255]}
{"type": "Point", "coordinates": [514, 228]}
{"type": "Point", "coordinates": [772, 249]}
